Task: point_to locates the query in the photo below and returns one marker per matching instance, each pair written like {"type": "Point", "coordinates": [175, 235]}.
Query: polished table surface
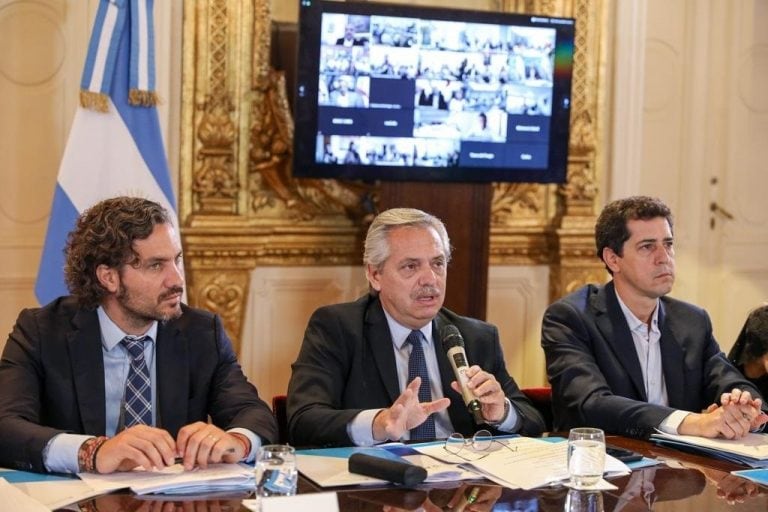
{"type": "Point", "coordinates": [686, 482]}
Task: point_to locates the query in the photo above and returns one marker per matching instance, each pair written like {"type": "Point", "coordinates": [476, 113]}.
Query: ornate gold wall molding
{"type": "Point", "coordinates": [544, 224]}
{"type": "Point", "coordinates": [240, 207]}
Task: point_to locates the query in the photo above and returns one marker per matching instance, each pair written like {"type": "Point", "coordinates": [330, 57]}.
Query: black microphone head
{"type": "Point", "coordinates": [451, 337]}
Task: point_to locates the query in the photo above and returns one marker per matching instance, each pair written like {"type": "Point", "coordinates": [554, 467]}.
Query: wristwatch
{"type": "Point", "coordinates": [507, 405]}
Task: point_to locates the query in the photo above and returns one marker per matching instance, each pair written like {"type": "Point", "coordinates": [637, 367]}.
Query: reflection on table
{"type": "Point", "coordinates": [682, 483]}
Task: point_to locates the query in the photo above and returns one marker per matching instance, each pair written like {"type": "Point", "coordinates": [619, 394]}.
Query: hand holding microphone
{"type": "Point", "coordinates": [481, 392]}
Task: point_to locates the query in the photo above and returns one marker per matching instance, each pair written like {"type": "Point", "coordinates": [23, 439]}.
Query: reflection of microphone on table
{"type": "Point", "coordinates": [453, 344]}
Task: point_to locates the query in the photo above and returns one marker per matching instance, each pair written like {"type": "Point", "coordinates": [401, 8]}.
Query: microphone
{"type": "Point", "coordinates": [399, 472]}
{"type": "Point", "coordinates": [453, 344]}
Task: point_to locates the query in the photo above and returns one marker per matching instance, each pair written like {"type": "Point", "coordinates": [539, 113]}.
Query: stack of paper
{"type": "Point", "coordinates": [175, 480]}
{"type": "Point", "coordinates": [751, 450]}
{"type": "Point", "coordinates": [525, 463]}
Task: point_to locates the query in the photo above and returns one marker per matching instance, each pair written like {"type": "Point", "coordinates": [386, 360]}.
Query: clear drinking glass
{"type": "Point", "coordinates": [276, 473]}
{"type": "Point", "coordinates": [586, 456]}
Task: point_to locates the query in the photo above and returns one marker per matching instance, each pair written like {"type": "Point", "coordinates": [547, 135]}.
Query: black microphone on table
{"type": "Point", "coordinates": [399, 472]}
{"type": "Point", "coordinates": [453, 344]}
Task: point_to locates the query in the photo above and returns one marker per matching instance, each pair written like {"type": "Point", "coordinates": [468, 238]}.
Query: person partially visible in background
{"type": "Point", "coordinates": [750, 352]}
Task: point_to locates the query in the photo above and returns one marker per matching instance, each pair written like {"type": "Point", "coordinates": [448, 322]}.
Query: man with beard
{"type": "Point", "coordinates": [374, 370]}
{"type": "Point", "coordinates": [626, 358]}
{"type": "Point", "coordinates": [120, 373]}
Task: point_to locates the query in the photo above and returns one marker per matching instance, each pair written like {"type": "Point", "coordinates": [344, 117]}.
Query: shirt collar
{"type": "Point", "coordinates": [400, 332]}
{"type": "Point", "coordinates": [111, 334]}
{"type": "Point", "coordinates": [634, 322]}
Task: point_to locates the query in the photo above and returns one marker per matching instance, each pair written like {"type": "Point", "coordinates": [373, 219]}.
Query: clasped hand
{"type": "Point", "coordinates": [737, 415]}
{"type": "Point", "coordinates": [141, 445]}
{"type": "Point", "coordinates": [407, 412]}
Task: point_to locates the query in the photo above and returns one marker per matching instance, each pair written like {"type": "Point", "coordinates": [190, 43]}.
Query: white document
{"type": "Point", "coordinates": [57, 493]}
{"type": "Point", "coordinates": [316, 502]}
{"type": "Point", "coordinates": [530, 463]}
{"type": "Point", "coordinates": [333, 471]}
{"type": "Point", "coordinates": [14, 499]}
{"type": "Point", "coordinates": [753, 445]}
{"type": "Point", "coordinates": [175, 479]}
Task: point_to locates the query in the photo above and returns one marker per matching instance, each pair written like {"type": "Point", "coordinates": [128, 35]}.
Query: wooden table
{"type": "Point", "coordinates": [686, 483]}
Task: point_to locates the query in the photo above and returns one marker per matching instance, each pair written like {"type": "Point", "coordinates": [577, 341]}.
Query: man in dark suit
{"type": "Point", "coordinates": [626, 358]}
{"type": "Point", "coordinates": [350, 37]}
{"type": "Point", "coordinates": [353, 381]}
{"type": "Point", "coordinates": [121, 374]}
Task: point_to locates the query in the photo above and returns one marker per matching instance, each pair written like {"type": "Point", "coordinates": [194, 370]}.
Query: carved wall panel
{"type": "Point", "coordinates": [240, 207]}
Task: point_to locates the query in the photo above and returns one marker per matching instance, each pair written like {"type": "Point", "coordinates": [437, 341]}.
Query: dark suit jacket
{"type": "Point", "coordinates": [347, 364]}
{"type": "Point", "coordinates": [52, 380]}
{"type": "Point", "coordinates": [595, 374]}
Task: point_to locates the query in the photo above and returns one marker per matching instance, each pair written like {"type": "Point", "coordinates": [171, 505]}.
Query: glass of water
{"type": "Point", "coordinates": [586, 456]}
{"type": "Point", "coordinates": [276, 473]}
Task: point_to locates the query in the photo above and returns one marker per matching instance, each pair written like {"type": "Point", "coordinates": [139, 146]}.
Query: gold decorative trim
{"type": "Point", "coordinates": [240, 206]}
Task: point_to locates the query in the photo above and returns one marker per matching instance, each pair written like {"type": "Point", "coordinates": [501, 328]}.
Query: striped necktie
{"type": "Point", "coordinates": [417, 367]}
{"type": "Point", "coordinates": [138, 387]}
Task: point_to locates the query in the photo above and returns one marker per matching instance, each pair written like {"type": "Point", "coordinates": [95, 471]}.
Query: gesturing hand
{"type": "Point", "coordinates": [405, 413]}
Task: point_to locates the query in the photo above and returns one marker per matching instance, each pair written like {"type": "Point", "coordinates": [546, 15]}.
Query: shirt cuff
{"type": "Point", "coordinates": [60, 454]}
{"type": "Point", "coordinates": [253, 438]}
{"type": "Point", "coordinates": [360, 429]}
{"type": "Point", "coordinates": [671, 423]}
{"type": "Point", "coordinates": [509, 423]}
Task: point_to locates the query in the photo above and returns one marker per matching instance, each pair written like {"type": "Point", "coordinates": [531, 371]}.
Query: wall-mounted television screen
{"type": "Point", "coordinates": [403, 92]}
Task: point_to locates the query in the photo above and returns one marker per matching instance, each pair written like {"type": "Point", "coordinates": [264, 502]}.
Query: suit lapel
{"type": "Point", "coordinates": [380, 341]}
{"type": "Point", "coordinates": [172, 376]}
{"type": "Point", "coordinates": [611, 322]}
{"type": "Point", "coordinates": [87, 361]}
{"type": "Point", "coordinates": [672, 360]}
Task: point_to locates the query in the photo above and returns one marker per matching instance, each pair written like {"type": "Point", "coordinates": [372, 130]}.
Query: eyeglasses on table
{"type": "Point", "coordinates": [479, 446]}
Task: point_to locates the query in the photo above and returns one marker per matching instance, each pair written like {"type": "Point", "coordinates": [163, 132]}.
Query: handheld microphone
{"type": "Point", "coordinates": [453, 344]}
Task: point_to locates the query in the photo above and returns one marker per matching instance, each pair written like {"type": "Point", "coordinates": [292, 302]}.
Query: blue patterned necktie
{"type": "Point", "coordinates": [138, 387]}
{"type": "Point", "coordinates": [417, 367]}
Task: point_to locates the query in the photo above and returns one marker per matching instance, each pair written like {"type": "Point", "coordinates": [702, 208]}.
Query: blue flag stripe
{"type": "Point", "coordinates": [118, 152]}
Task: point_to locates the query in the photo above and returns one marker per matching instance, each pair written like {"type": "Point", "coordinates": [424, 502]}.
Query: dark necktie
{"type": "Point", "coordinates": [138, 387]}
{"type": "Point", "coordinates": [417, 367]}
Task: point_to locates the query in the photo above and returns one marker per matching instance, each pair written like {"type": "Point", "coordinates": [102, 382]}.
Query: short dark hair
{"type": "Point", "coordinates": [611, 228]}
{"type": "Point", "coordinates": [752, 342]}
{"type": "Point", "coordinates": [104, 235]}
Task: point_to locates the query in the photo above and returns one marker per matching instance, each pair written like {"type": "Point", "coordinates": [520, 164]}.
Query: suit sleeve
{"type": "Point", "coordinates": [531, 422]}
{"type": "Point", "coordinates": [22, 437]}
{"type": "Point", "coordinates": [317, 385]}
{"type": "Point", "coordinates": [235, 403]}
{"type": "Point", "coordinates": [581, 396]}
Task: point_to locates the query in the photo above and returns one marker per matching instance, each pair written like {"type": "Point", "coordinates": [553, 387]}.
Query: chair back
{"type": "Point", "coordinates": [279, 409]}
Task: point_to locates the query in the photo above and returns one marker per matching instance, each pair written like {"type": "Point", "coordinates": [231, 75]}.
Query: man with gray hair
{"type": "Point", "coordinates": [373, 370]}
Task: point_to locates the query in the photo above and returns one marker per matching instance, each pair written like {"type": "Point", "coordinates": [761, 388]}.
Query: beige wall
{"type": "Point", "coordinates": [42, 49]}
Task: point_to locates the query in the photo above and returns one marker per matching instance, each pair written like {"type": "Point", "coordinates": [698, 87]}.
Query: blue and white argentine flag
{"type": "Point", "coordinates": [115, 146]}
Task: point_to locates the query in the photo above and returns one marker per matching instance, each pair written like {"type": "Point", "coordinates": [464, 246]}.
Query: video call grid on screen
{"type": "Point", "coordinates": [415, 92]}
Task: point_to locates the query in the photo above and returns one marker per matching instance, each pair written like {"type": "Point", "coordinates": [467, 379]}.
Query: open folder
{"type": "Point", "coordinates": [751, 450]}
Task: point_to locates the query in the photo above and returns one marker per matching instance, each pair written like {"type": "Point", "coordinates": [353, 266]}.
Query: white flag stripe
{"type": "Point", "coordinates": [107, 147]}
{"type": "Point", "coordinates": [97, 75]}
{"type": "Point", "coordinates": [143, 77]}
